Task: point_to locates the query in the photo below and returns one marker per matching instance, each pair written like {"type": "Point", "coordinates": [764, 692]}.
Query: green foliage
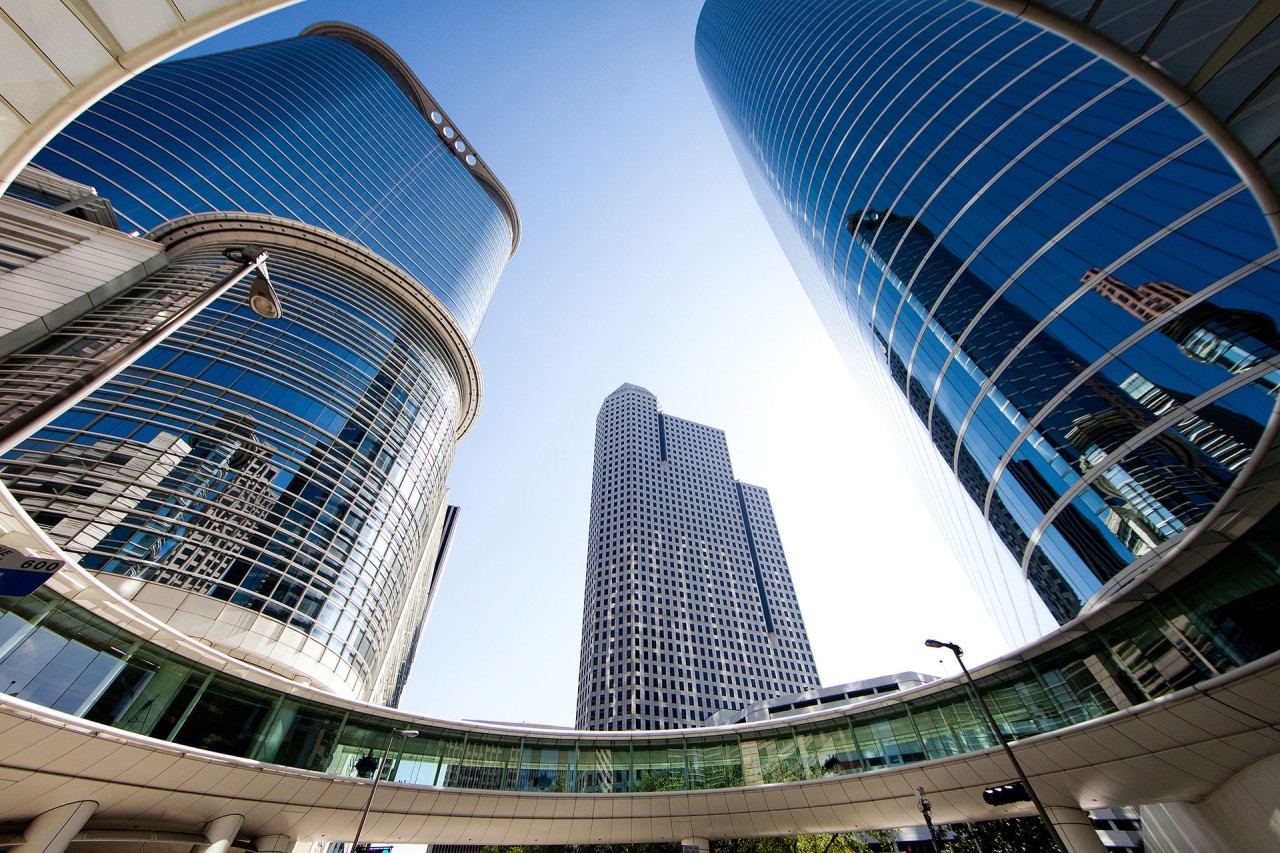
{"type": "Point", "coordinates": [844, 842]}
{"type": "Point", "coordinates": [781, 770]}
{"type": "Point", "coordinates": [785, 844]}
{"type": "Point", "coordinates": [792, 769]}
{"type": "Point", "coordinates": [883, 839]}
{"type": "Point", "coordinates": [717, 776]}
{"type": "Point", "coordinates": [588, 848]}
{"type": "Point", "coordinates": [1014, 835]}
{"type": "Point", "coordinates": [860, 842]}
{"type": "Point", "coordinates": [649, 781]}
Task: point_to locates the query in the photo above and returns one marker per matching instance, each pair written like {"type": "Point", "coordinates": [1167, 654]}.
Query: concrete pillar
{"type": "Point", "coordinates": [1075, 830]}
{"type": "Point", "coordinates": [221, 832]}
{"type": "Point", "coordinates": [695, 844]}
{"type": "Point", "coordinates": [53, 830]}
{"type": "Point", "coordinates": [274, 843]}
{"type": "Point", "coordinates": [1176, 827]}
{"type": "Point", "coordinates": [1241, 815]}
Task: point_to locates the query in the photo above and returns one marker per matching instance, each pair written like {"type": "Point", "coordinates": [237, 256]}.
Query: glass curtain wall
{"type": "Point", "coordinates": [291, 467]}
{"type": "Point", "coordinates": [311, 129]}
{"type": "Point", "coordinates": [1058, 273]}
{"type": "Point", "coordinates": [57, 654]}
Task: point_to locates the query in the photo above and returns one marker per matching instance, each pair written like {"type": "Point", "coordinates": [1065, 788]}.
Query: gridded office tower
{"type": "Point", "coordinates": [965, 193]}
{"type": "Point", "coordinates": [689, 606]}
{"type": "Point", "coordinates": [275, 487]}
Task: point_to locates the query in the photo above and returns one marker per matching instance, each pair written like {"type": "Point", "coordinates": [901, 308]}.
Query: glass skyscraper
{"type": "Point", "coordinates": [119, 723]}
{"type": "Point", "coordinates": [330, 129]}
{"type": "Point", "coordinates": [952, 183]}
{"type": "Point", "coordinates": [276, 487]}
{"type": "Point", "coordinates": [689, 606]}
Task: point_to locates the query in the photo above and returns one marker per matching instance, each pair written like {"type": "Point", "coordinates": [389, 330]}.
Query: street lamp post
{"type": "Point", "coordinates": [377, 777]}
{"type": "Point", "coordinates": [926, 809]}
{"type": "Point", "coordinates": [25, 570]}
{"type": "Point", "coordinates": [262, 299]}
{"type": "Point", "coordinates": [991, 720]}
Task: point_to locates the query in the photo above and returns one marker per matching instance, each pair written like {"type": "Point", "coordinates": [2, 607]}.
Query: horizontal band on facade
{"type": "Point", "coordinates": [192, 231]}
{"type": "Point", "coordinates": [409, 84]}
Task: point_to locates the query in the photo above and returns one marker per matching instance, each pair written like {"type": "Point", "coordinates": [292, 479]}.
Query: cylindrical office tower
{"type": "Point", "coordinates": [277, 487]}
{"type": "Point", "coordinates": [1068, 285]}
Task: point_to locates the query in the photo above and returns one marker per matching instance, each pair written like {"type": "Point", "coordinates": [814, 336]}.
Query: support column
{"type": "Point", "coordinates": [695, 844]}
{"type": "Point", "coordinates": [274, 843]}
{"type": "Point", "coordinates": [221, 832]}
{"type": "Point", "coordinates": [53, 830]}
{"type": "Point", "coordinates": [1075, 829]}
{"type": "Point", "coordinates": [1174, 827]}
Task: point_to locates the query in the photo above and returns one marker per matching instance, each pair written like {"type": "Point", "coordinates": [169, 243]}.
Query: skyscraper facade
{"type": "Point", "coordinates": [329, 129]}
{"type": "Point", "coordinates": [689, 606]}
{"type": "Point", "coordinates": [294, 509]}
{"type": "Point", "coordinates": [951, 183]}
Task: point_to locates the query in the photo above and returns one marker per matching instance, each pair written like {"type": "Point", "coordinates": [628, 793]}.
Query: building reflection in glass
{"type": "Point", "coordinates": [196, 521]}
{"type": "Point", "coordinates": [1157, 491]}
{"type": "Point", "coordinates": [990, 161]}
{"type": "Point", "coordinates": [1233, 339]}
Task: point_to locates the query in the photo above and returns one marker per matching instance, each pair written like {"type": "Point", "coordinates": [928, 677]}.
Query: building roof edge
{"type": "Point", "coordinates": [409, 84]}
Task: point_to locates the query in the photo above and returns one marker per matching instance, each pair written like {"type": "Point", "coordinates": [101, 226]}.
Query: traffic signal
{"type": "Point", "coordinates": [1003, 795]}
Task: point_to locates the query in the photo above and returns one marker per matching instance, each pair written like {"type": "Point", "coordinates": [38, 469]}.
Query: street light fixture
{"type": "Point", "coordinates": [377, 777]}
{"type": "Point", "coordinates": [991, 720]}
{"type": "Point", "coordinates": [262, 296]}
{"type": "Point", "coordinates": [262, 299]}
{"type": "Point", "coordinates": [25, 571]}
{"type": "Point", "coordinates": [926, 809]}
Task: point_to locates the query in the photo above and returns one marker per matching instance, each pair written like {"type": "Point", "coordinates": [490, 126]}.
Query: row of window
{"type": "Point", "coordinates": [671, 547]}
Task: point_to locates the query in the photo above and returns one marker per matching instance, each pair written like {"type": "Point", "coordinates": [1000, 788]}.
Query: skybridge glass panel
{"type": "Point", "coordinates": [1211, 622]}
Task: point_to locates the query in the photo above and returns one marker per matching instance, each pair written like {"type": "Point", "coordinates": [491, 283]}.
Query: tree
{"type": "Point", "coordinates": [587, 848]}
{"type": "Point", "coordinates": [1012, 835]}
{"type": "Point", "coordinates": [842, 842]}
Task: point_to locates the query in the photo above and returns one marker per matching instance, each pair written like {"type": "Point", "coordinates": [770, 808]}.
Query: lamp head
{"type": "Point", "coordinates": [246, 254]}
{"type": "Point", "coordinates": [406, 732]}
{"type": "Point", "coordinates": [938, 644]}
{"type": "Point", "coordinates": [262, 296]}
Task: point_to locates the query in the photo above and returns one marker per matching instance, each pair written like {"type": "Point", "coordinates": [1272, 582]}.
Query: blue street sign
{"type": "Point", "coordinates": [23, 571]}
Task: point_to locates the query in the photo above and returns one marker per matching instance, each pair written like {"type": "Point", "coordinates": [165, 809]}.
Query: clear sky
{"type": "Point", "coordinates": [644, 259]}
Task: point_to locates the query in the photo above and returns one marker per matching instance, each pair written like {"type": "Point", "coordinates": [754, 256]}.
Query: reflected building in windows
{"type": "Point", "coordinates": [274, 487]}
{"type": "Point", "coordinates": [1233, 339]}
{"type": "Point", "coordinates": [196, 523]}
{"type": "Point", "coordinates": [81, 495]}
{"type": "Point", "coordinates": [167, 511]}
{"type": "Point", "coordinates": [689, 607]}
{"type": "Point", "coordinates": [939, 173]}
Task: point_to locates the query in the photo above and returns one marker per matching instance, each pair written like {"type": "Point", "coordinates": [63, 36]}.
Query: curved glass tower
{"type": "Point", "coordinates": [979, 208]}
{"type": "Point", "coordinates": [329, 129]}
{"type": "Point", "coordinates": [277, 487]}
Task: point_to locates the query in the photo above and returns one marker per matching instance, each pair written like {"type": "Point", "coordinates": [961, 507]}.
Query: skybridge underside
{"type": "Point", "coordinates": [1179, 749]}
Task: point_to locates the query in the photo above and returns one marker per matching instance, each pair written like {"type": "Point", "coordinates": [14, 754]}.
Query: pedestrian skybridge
{"type": "Point", "coordinates": [85, 655]}
{"type": "Point", "coordinates": [61, 655]}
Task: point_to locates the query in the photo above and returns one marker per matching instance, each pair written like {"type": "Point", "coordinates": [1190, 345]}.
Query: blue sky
{"type": "Point", "coordinates": [644, 259]}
